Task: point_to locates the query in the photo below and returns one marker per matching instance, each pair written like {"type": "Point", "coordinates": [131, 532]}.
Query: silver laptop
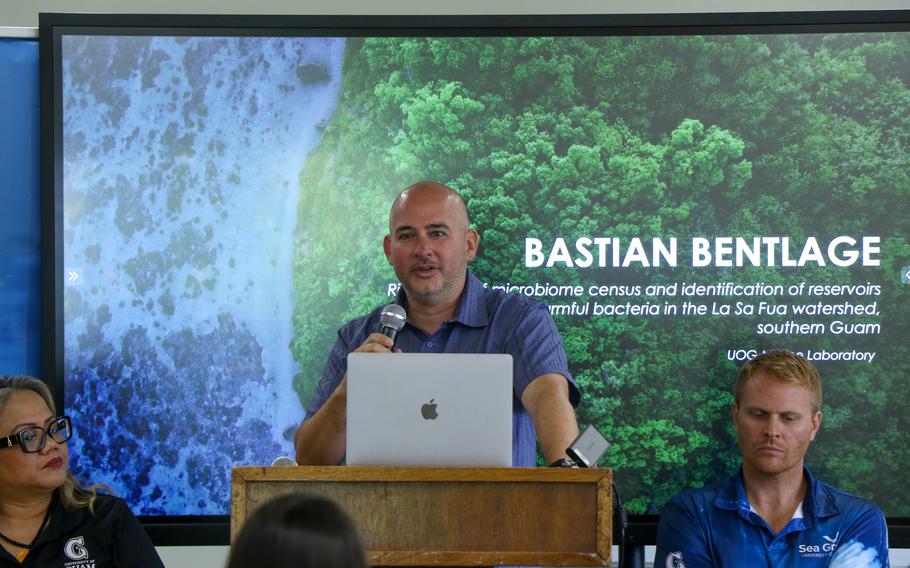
{"type": "Point", "coordinates": [429, 409]}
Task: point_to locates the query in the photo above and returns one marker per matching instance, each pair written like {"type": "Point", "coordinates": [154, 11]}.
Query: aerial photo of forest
{"type": "Point", "coordinates": [797, 135]}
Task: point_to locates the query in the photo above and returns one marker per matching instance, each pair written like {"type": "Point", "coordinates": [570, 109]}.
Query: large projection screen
{"type": "Point", "coordinates": [682, 191]}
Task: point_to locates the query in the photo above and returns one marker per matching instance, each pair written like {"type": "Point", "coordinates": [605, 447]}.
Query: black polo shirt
{"type": "Point", "coordinates": [111, 537]}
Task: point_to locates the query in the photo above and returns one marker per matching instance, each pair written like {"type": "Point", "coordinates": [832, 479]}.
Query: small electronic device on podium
{"type": "Point", "coordinates": [588, 447]}
{"type": "Point", "coordinates": [430, 409]}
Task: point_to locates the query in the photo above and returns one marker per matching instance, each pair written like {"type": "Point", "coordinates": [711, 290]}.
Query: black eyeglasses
{"type": "Point", "coordinates": [32, 439]}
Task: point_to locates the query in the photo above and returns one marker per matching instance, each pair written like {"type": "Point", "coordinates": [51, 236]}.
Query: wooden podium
{"type": "Point", "coordinates": [421, 516]}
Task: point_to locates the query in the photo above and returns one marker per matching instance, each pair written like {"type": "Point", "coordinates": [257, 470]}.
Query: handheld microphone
{"type": "Point", "coordinates": [392, 320]}
{"type": "Point", "coordinates": [284, 461]}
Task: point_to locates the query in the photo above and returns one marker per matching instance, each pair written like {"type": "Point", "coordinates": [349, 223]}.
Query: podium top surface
{"type": "Point", "coordinates": [402, 473]}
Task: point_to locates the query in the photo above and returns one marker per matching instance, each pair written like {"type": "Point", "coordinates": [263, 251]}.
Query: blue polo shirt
{"type": "Point", "coordinates": [486, 321]}
{"type": "Point", "coordinates": [716, 527]}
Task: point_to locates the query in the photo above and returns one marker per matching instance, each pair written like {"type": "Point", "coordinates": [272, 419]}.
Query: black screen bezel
{"type": "Point", "coordinates": [195, 530]}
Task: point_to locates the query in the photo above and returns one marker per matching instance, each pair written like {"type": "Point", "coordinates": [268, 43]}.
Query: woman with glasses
{"type": "Point", "coordinates": [46, 517]}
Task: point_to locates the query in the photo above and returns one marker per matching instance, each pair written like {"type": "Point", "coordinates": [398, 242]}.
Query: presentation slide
{"type": "Point", "coordinates": [681, 203]}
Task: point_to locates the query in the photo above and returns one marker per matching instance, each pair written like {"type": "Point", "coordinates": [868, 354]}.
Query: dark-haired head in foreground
{"type": "Point", "coordinates": [298, 531]}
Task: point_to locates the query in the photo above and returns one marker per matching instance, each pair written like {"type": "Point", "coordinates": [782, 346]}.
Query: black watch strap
{"type": "Point", "coordinates": [564, 462]}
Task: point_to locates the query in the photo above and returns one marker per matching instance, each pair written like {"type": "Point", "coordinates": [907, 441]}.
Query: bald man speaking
{"type": "Point", "coordinates": [429, 245]}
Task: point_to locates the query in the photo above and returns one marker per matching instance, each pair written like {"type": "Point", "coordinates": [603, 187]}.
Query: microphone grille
{"type": "Point", "coordinates": [393, 316]}
{"type": "Point", "coordinates": [284, 461]}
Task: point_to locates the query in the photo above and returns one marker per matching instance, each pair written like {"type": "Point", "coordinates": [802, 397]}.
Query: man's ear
{"type": "Point", "coordinates": [387, 247]}
{"type": "Point", "coordinates": [472, 241]}
{"type": "Point", "coordinates": [816, 424]}
{"type": "Point", "coordinates": [734, 411]}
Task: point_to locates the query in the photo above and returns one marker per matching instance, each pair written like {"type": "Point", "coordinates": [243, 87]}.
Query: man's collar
{"type": "Point", "coordinates": [817, 503]}
{"type": "Point", "coordinates": [471, 310]}
{"type": "Point", "coordinates": [732, 496]}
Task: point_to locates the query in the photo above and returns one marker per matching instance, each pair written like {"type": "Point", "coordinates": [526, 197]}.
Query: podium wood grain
{"type": "Point", "coordinates": [420, 516]}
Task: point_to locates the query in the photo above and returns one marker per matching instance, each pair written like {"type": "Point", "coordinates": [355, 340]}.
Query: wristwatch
{"type": "Point", "coordinates": [564, 462]}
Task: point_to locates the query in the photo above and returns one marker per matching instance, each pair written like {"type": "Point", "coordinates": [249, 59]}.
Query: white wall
{"type": "Point", "coordinates": [24, 13]}
{"type": "Point", "coordinates": [193, 556]}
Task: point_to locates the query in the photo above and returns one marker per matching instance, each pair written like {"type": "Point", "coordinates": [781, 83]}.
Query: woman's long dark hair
{"type": "Point", "coordinates": [298, 531]}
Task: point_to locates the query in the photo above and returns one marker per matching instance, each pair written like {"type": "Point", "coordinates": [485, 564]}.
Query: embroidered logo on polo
{"type": "Point", "coordinates": [674, 560]}
{"type": "Point", "coordinates": [76, 551]}
{"type": "Point", "coordinates": [824, 548]}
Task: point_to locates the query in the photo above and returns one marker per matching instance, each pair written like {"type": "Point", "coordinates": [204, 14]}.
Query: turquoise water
{"type": "Point", "coordinates": [181, 158]}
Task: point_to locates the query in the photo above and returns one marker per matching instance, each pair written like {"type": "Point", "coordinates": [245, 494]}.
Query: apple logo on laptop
{"type": "Point", "coordinates": [428, 410]}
